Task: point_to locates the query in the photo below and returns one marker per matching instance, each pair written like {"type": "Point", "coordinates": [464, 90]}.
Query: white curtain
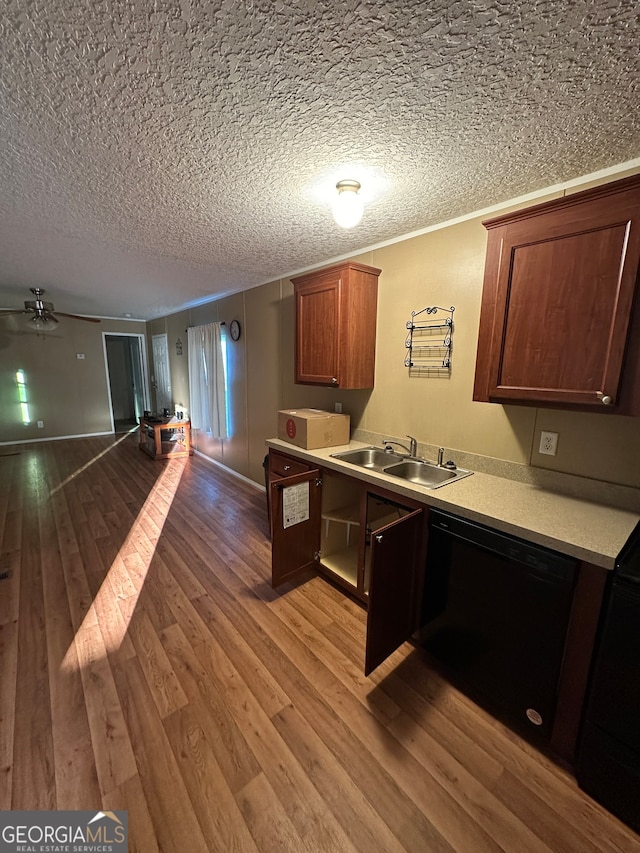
{"type": "Point", "coordinates": [207, 381]}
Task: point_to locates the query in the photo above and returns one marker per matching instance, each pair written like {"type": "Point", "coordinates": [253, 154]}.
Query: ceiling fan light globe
{"type": "Point", "coordinates": [40, 323]}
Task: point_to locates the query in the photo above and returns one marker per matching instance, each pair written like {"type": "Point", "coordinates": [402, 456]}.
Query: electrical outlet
{"type": "Point", "coordinates": [337, 408]}
{"type": "Point", "coordinates": [40, 424]}
{"type": "Point", "coordinates": [548, 443]}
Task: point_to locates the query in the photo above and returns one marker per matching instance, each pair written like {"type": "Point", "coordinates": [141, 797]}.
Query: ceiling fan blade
{"type": "Point", "coordinates": [76, 317]}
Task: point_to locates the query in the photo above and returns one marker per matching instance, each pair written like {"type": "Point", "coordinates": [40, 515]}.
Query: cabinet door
{"type": "Point", "coordinates": [318, 331]}
{"type": "Point", "coordinates": [281, 466]}
{"type": "Point", "coordinates": [295, 543]}
{"type": "Point", "coordinates": [564, 277]}
{"type": "Point", "coordinates": [395, 553]}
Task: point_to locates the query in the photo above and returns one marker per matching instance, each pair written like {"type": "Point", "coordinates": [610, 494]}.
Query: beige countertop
{"type": "Point", "coordinates": [592, 532]}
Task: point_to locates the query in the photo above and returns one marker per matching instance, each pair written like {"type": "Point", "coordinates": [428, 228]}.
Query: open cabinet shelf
{"type": "Point", "coordinates": [343, 563]}
{"type": "Point", "coordinates": [371, 544]}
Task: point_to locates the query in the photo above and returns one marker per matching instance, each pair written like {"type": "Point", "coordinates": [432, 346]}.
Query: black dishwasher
{"type": "Point", "coordinates": [609, 753]}
{"type": "Point", "coordinates": [495, 612]}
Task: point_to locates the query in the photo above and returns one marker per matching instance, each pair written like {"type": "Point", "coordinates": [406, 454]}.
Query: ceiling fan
{"type": "Point", "coordinates": [43, 313]}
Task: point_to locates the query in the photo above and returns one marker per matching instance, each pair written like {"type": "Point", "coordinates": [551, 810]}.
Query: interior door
{"type": "Point", "coordinates": [393, 588]}
{"type": "Point", "coordinates": [295, 513]}
{"type": "Point", "coordinates": [137, 376]}
{"type": "Point", "coordinates": [162, 372]}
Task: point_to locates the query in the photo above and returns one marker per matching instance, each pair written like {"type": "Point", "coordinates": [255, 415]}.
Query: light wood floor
{"type": "Point", "coordinates": [147, 665]}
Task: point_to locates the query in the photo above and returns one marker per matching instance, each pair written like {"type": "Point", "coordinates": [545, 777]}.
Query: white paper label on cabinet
{"type": "Point", "coordinates": [295, 504]}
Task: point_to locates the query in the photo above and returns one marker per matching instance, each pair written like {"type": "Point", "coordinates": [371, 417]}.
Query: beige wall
{"type": "Point", "coordinates": [175, 328]}
{"type": "Point", "coordinates": [444, 267]}
{"type": "Point", "coordinates": [253, 374]}
{"type": "Point", "coordinates": [262, 335]}
{"type": "Point", "coordinates": [69, 394]}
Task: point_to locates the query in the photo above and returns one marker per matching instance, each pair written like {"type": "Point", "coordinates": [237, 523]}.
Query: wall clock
{"type": "Point", "coordinates": [234, 330]}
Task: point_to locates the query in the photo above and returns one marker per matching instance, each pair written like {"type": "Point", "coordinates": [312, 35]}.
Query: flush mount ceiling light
{"type": "Point", "coordinates": [348, 206]}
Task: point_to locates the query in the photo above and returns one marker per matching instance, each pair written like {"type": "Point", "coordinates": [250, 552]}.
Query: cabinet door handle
{"type": "Point", "coordinates": [379, 537]}
{"type": "Point", "coordinates": [334, 380]}
{"type": "Point", "coordinates": [287, 467]}
{"type": "Point", "coordinates": [606, 400]}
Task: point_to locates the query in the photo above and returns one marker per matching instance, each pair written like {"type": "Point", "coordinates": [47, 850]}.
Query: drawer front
{"type": "Point", "coordinates": [284, 466]}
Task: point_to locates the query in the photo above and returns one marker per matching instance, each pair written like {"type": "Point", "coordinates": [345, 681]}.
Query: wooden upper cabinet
{"type": "Point", "coordinates": [558, 323]}
{"type": "Point", "coordinates": [336, 310]}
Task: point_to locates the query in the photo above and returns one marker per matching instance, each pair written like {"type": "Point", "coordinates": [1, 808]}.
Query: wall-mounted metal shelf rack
{"type": "Point", "coordinates": [429, 341]}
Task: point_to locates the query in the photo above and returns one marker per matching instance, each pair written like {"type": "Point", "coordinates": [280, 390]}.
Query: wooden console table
{"type": "Point", "coordinates": [164, 438]}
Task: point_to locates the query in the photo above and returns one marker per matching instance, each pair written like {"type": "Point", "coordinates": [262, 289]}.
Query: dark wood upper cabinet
{"type": "Point", "coordinates": [560, 322]}
{"type": "Point", "coordinates": [336, 312]}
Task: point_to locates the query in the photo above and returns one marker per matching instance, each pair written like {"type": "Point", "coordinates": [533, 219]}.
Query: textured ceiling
{"type": "Point", "coordinates": [153, 154]}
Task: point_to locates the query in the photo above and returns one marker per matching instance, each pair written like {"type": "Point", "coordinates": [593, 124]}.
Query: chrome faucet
{"type": "Point", "coordinates": [440, 456]}
{"type": "Point", "coordinates": [412, 450]}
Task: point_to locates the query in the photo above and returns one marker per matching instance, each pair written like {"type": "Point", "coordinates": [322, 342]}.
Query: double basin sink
{"type": "Point", "coordinates": [417, 471]}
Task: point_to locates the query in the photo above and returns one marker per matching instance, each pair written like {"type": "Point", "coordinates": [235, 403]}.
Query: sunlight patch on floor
{"type": "Point", "coordinates": [106, 622]}
{"type": "Point", "coordinates": [92, 461]}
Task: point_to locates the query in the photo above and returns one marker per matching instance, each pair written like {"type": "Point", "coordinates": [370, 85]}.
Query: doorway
{"type": "Point", "coordinates": [125, 360]}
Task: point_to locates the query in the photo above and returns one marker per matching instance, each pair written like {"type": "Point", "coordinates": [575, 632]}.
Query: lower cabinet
{"type": "Point", "coordinates": [365, 540]}
{"type": "Point", "coordinates": [373, 544]}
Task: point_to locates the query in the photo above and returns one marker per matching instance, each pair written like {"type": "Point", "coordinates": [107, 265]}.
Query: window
{"type": "Point", "coordinates": [208, 379]}
{"type": "Point", "coordinates": [21, 383]}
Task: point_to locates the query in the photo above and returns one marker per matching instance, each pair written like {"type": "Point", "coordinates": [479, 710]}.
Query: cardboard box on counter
{"type": "Point", "coordinates": [311, 428]}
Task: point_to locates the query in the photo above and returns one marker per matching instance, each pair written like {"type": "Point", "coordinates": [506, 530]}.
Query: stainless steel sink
{"type": "Point", "coordinates": [416, 471]}
{"type": "Point", "coordinates": [425, 473]}
{"type": "Point", "coordinates": [369, 457]}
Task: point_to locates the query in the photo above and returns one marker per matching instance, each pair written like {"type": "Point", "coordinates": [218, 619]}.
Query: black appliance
{"type": "Point", "coordinates": [495, 613]}
{"type": "Point", "coordinates": [609, 751]}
